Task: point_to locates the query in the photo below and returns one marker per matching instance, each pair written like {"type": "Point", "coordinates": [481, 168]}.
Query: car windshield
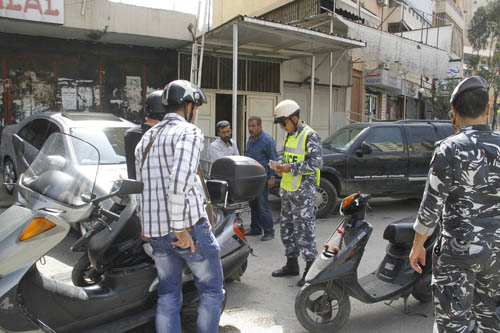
{"type": "Point", "coordinates": [342, 139]}
{"type": "Point", "coordinates": [108, 141]}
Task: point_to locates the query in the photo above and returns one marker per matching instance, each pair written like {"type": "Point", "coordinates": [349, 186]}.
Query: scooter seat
{"type": "Point", "coordinates": [400, 232]}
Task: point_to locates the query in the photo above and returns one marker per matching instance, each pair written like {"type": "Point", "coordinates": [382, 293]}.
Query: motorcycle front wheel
{"type": "Point", "coordinates": [322, 309]}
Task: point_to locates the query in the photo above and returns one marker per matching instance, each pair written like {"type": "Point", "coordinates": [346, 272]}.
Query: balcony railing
{"type": "Point", "coordinates": [454, 6]}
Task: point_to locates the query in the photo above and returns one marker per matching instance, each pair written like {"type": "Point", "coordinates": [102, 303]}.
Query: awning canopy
{"type": "Point", "coordinates": [267, 39]}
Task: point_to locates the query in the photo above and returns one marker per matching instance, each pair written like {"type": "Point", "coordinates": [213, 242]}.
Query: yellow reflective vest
{"type": "Point", "coordinates": [295, 152]}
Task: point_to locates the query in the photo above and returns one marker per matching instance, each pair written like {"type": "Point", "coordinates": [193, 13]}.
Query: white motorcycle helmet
{"type": "Point", "coordinates": [286, 109]}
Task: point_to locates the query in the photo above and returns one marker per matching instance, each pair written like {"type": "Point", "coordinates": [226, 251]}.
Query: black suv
{"type": "Point", "coordinates": [381, 158]}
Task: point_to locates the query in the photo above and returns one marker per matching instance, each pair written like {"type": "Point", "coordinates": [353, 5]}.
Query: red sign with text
{"type": "Point", "coordinates": [48, 11]}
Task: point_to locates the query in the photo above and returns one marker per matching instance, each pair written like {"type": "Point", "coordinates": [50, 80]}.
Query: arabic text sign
{"type": "Point", "coordinates": [47, 11]}
{"type": "Point", "coordinates": [454, 69]}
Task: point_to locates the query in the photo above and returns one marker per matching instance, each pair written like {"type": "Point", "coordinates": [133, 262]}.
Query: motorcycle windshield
{"type": "Point", "coordinates": [57, 171]}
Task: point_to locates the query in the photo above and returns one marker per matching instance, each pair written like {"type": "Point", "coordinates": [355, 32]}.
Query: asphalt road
{"type": "Point", "coordinates": [261, 303]}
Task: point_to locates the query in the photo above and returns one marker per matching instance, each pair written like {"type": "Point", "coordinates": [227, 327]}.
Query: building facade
{"type": "Point", "coordinates": [91, 56]}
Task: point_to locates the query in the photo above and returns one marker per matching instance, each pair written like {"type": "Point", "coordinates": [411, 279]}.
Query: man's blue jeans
{"type": "Point", "coordinates": [204, 263]}
{"type": "Point", "coordinates": [262, 217]}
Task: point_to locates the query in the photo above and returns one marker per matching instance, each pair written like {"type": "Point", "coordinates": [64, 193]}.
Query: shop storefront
{"type": "Point", "coordinates": [381, 90]}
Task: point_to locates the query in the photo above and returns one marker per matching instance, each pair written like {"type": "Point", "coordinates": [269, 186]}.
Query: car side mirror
{"type": "Point", "coordinates": [364, 149]}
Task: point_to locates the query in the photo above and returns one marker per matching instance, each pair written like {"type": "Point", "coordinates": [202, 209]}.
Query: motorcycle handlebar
{"type": "Point", "coordinates": [109, 214]}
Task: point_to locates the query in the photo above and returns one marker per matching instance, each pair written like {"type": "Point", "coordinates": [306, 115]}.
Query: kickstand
{"type": "Point", "coordinates": [406, 309]}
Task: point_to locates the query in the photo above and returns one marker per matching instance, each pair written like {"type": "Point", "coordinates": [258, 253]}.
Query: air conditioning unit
{"type": "Point", "coordinates": [383, 2]}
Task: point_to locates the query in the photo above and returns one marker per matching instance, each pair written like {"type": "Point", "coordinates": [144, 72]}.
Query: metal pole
{"type": "Point", "coordinates": [313, 66]}
{"type": "Point", "coordinates": [404, 102]}
{"type": "Point", "coordinates": [234, 124]}
{"type": "Point", "coordinates": [203, 30]}
{"type": "Point", "coordinates": [331, 81]}
{"type": "Point", "coordinates": [359, 10]}
{"type": "Point", "coordinates": [382, 17]}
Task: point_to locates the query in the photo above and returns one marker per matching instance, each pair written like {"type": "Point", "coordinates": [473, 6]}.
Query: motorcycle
{"type": "Point", "coordinates": [58, 190]}
{"type": "Point", "coordinates": [323, 305]}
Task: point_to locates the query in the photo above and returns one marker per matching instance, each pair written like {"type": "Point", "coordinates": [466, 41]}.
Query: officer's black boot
{"type": "Point", "coordinates": [303, 280]}
{"type": "Point", "coordinates": [291, 268]}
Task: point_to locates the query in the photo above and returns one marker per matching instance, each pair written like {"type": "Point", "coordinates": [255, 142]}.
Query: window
{"type": "Point", "coordinates": [35, 132]}
{"type": "Point", "coordinates": [385, 140]}
{"type": "Point", "coordinates": [342, 139]}
{"type": "Point", "coordinates": [420, 138]}
{"type": "Point", "coordinates": [108, 141]}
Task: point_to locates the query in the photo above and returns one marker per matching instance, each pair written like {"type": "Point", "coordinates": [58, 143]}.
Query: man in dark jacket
{"type": "Point", "coordinates": [154, 113]}
{"type": "Point", "coordinates": [463, 187]}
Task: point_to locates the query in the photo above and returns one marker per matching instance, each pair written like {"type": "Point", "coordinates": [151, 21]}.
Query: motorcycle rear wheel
{"type": "Point", "coordinates": [83, 274]}
{"type": "Point", "coordinates": [320, 309]}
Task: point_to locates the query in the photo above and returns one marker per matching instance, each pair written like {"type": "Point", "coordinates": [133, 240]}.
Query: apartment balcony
{"type": "Point", "coordinates": [405, 18]}
{"type": "Point", "coordinates": [448, 12]}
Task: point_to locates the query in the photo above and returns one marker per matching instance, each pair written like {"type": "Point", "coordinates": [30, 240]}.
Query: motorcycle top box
{"type": "Point", "coordinates": [245, 176]}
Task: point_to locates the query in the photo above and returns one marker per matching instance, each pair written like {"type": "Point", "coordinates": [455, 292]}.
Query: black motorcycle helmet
{"type": "Point", "coordinates": [180, 92]}
{"type": "Point", "coordinates": [154, 107]}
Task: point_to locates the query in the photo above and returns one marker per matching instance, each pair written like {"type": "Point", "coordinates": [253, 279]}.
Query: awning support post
{"type": "Point", "coordinates": [234, 123]}
{"type": "Point", "coordinates": [313, 66]}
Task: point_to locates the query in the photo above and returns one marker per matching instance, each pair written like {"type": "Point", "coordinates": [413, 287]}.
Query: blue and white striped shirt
{"type": "Point", "coordinates": [173, 198]}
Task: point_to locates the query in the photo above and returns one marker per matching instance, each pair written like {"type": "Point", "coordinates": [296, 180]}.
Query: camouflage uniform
{"type": "Point", "coordinates": [464, 186]}
{"type": "Point", "coordinates": [298, 213]}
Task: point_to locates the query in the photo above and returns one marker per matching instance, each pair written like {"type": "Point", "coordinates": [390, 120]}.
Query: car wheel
{"type": "Point", "coordinates": [326, 198]}
{"type": "Point", "coordinates": [9, 175]}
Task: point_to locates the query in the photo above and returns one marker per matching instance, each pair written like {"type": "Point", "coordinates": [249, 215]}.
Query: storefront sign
{"type": "Point", "coordinates": [410, 89]}
{"type": "Point", "coordinates": [48, 11]}
{"type": "Point", "coordinates": [454, 69]}
{"type": "Point", "coordinates": [383, 79]}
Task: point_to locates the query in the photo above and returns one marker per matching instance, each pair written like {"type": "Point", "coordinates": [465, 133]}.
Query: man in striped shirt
{"type": "Point", "coordinates": [172, 210]}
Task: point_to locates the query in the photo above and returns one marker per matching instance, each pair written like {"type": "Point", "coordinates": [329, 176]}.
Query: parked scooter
{"type": "Point", "coordinates": [322, 305]}
{"type": "Point", "coordinates": [56, 191]}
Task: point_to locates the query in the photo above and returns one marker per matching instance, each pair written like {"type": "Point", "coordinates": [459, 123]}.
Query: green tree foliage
{"type": "Point", "coordinates": [484, 34]}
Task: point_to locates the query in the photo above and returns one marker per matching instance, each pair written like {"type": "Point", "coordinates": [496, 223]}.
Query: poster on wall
{"type": "Point", "coordinates": [133, 93]}
{"type": "Point", "coordinates": [85, 98]}
{"type": "Point", "coordinates": [68, 98]}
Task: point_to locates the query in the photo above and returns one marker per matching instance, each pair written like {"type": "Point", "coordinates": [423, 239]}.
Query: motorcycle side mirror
{"type": "Point", "coordinates": [123, 187]}
{"type": "Point", "coordinates": [56, 162]}
{"type": "Point", "coordinates": [364, 149]}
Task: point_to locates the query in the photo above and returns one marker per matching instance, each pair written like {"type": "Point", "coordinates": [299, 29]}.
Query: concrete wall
{"type": "Point", "coordinates": [107, 22]}
{"type": "Point", "coordinates": [224, 10]}
{"type": "Point", "coordinates": [128, 19]}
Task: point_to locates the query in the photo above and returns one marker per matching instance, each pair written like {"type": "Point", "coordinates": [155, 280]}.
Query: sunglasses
{"type": "Point", "coordinates": [281, 121]}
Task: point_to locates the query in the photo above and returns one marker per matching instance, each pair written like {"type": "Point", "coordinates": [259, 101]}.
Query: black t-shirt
{"type": "Point", "coordinates": [132, 137]}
